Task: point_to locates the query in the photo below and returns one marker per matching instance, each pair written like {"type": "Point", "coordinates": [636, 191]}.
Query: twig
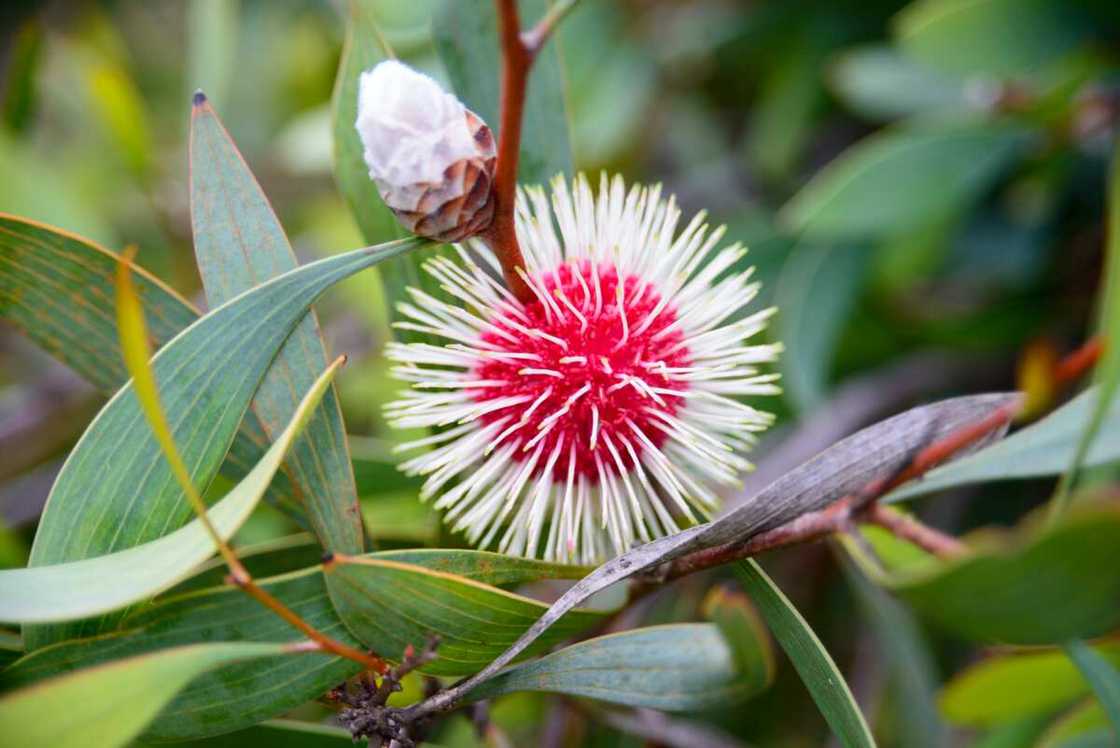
{"type": "Point", "coordinates": [909, 528]}
{"type": "Point", "coordinates": [518, 52]}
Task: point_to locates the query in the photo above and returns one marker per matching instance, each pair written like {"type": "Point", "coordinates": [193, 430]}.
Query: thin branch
{"type": "Point", "coordinates": [909, 528]}
{"type": "Point", "coordinates": [518, 52]}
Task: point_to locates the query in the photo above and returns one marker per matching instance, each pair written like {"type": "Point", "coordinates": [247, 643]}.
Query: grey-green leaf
{"type": "Point", "coordinates": [107, 706]}
{"type": "Point", "coordinates": [679, 667]}
{"type": "Point", "coordinates": [115, 490]}
{"type": "Point", "coordinates": [239, 244]}
{"type": "Point", "coordinates": [87, 587]}
{"type": "Point", "coordinates": [1102, 676]}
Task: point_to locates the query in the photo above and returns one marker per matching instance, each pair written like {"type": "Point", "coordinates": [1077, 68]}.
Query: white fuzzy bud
{"type": "Point", "coordinates": [431, 158]}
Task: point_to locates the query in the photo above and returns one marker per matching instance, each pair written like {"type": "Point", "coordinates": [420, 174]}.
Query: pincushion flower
{"type": "Point", "coordinates": [606, 409]}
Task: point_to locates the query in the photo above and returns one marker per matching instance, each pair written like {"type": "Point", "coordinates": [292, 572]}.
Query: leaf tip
{"type": "Point", "coordinates": [198, 99]}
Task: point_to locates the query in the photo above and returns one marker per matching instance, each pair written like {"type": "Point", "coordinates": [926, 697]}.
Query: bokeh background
{"type": "Point", "coordinates": [921, 186]}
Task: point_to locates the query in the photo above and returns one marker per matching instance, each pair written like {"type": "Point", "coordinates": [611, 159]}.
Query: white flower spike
{"type": "Point", "coordinates": [431, 158]}
{"type": "Point", "coordinates": [602, 412]}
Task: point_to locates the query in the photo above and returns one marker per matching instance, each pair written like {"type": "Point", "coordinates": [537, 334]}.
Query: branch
{"type": "Point", "coordinates": [518, 52]}
{"type": "Point", "coordinates": [908, 528]}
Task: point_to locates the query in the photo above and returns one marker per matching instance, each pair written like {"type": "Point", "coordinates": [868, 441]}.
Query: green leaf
{"type": "Point", "coordinates": [997, 37]}
{"type": "Point", "coordinates": [1006, 687]}
{"type": "Point", "coordinates": [115, 490]}
{"type": "Point", "coordinates": [880, 84]}
{"type": "Point", "coordinates": [281, 733]}
{"type": "Point", "coordinates": [1043, 448]}
{"type": "Point", "coordinates": [1108, 369]}
{"type": "Point", "coordinates": [239, 243]}
{"type": "Point", "coordinates": [78, 589]}
{"type": "Point", "coordinates": [389, 605]}
{"type": "Point", "coordinates": [58, 288]}
{"type": "Point", "coordinates": [466, 38]}
{"type": "Point", "coordinates": [107, 706]}
{"type": "Point", "coordinates": [1052, 586]}
{"type": "Point", "coordinates": [1102, 676]}
{"type": "Point", "coordinates": [899, 178]}
{"type": "Point", "coordinates": [231, 697]}
{"type": "Point", "coordinates": [818, 287]}
{"type": "Point", "coordinates": [1084, 726]}
{"type": "Point", "coordinates": [912, 672]}
{"type": "Point", "coordinates": [679, 667]}
{"type": "Point", "coordinates": [809, 657]}
{"type": "Point", "coordinates": [743, 630]}
{"type": "Point", "coordinates": [265, 559]}
{"type": "Point", "coordinates": [483, 566]}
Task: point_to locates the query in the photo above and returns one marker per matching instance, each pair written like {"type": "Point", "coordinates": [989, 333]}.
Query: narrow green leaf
{"type": "Point", "coordinates": [107, 706]}
{"type": "Point", "coordinates": [900, 178]}
{"type": "Point", "coordinates": [466, 38]}
{"type": "Point", "coordinates": [58, 289]}
{"type": "Point", "coordinates": [1043, 448]}
{"type": "Point", "coordinates": [233, 696]}
{"type": "Point", "coordinates": [1045, 588]}
{"type": "Point", "coordinates": [913, 674]}
{"type": "Point", "coordinates": [1108, 370]}
{"type": "Point", "coordinates": [809, 657]}
{"type": "Point", "coordinates": [680, 667]}
{"type": "Point", "coordinates": [78, 589]}
{"type": "Point", "coordinates": [1007, 687]}
{"type": "Point", "coordinates": [879, 83]}
{"type": "Point", "coordinates": [483, 566]}
{"type": "Point", "coordinates": [108, 497]}
{"type": "Point", "coordinates": [818, 287]}
{"type": "Point", "coordinates": [997, 37]}
{"type": "Point", "coordinates": [389, 605]}
{"type": "Point", "coordinates": [1102, 676]}
{"type": "Point", "coordinates": [239, 243]}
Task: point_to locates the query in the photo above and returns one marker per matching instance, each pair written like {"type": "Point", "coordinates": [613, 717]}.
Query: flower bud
{"type": "Point", "coordinates": [431, 158]}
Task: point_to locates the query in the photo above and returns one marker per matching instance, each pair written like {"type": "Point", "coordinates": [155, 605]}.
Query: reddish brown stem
{"type": "Point", "coordinates": [908, 528]}
{"type": "Point", "coordinates": [1073, 366]}
{"type": "Point", "coordinates": [326, 643]}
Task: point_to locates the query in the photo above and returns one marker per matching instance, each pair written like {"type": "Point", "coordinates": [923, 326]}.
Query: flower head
{"type": "Point", "coordinates": [603, 411]}
{"type": "Point", "coordinates": [431, 158]}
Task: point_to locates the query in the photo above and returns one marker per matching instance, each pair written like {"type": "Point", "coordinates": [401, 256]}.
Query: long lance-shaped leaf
{"type": "Point", "coordinates": [115, 490]}
{"type": "Point", "coordinates": [239, 243]}
{"type": "Point", "coordinates": [845, 468]}
{"type": "Point", "coordinates": [57, 289]}
{"type": "Point", "coordinates": [817, 670]}
{"type": "Point", "coordinates": [107, 706]}
{"type": "Point", "coordinates": [1041, 449]}
{"type": "Point", "coordinates": [1102, 676]}
{"type": "Point", "coordinates": [79, 589]}
{"type": "Point", "coordinates": [678, 667]}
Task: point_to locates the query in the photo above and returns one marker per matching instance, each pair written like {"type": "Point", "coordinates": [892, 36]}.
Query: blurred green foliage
{"type": "Point", "coordinates": [910, 178]}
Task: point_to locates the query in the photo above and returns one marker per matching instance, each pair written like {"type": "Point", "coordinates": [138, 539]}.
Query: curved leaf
{"type": "Point", "coordinates": [1007, 687]}
{"type": "Point", "coordinates": [679, 667]}
{"type": "Point", "coordinates": [233, 696]}
{"type": "Point", "coordinates": [41, 267]}
{"type": "Point", "coordinates": [390, 605]}
{"type": "Point", "coordinates": [897, 179]}
{"type": "Point", "coordinates": [239, 243]}
{"type": "Point", "coordinates": [809, 657]}
{"type": "Point", "coordinates": [1053, 586]}
{"type": "Point", "coordinates": [483, 566]}
{"type": "Point", "coordinates": [78, 589]}
{"type": "Point", "coordinates": [1043, 448]}
{"type": "Point", "coordinates": [208, 373]}
{"type": "Point", "coordinates": [107, 706]}
{"type": "Point", "coordinates": [1102, 676]}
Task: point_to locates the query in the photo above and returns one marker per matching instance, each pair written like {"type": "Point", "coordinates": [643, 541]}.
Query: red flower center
{"type": "Point", "coordinates": [593, 368]}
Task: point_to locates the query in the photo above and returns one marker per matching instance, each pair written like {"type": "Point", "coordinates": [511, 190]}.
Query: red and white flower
{"type": "Point", "coordinates": [605, 410]}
